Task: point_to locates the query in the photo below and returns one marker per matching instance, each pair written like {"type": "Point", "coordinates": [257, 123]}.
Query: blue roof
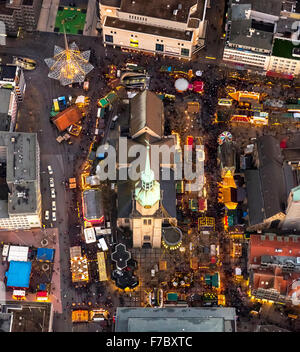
{"type": "Point", "coordinates": [46, 254]}
{"type": "Point", "coordinates": [18, 274]}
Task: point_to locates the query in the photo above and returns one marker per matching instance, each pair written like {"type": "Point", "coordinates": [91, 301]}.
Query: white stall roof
{"type": "Point", "coordinates": [18, 253]}
{"type": "Point", "coordinates": [89, 235]}
{"type": "Point", "coordinates": [5, 250]}
{"type": "Point", "coordinates": [238, 271]}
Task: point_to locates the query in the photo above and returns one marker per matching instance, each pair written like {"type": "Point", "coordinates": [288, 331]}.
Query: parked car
{"type": "Point", "coordinates": [50, 170]}
{"type": "Point", "coordinates": [53, 193]}
{"type": "Point", "coordinates": [51, 182]}
{"type": "Point", "coordinates": [53, 216]}
{"type": "Point", "coordinates": [53, 206]}
{"type": "Point", "coordinates": [47, 215]}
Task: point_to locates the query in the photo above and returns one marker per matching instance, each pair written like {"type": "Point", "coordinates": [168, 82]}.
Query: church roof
{"type": "Point", "coordinates": [146, 112]}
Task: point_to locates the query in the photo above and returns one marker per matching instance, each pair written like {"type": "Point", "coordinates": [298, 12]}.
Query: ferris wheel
{"type": "Point", "coordinates": [224, 137]}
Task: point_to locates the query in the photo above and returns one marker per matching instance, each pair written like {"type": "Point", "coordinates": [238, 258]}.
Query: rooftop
{"type": "Point", "coordinates": [164, 9]}
{"type": "Point", "coordinates": [8, 72]}
{"type": "Point", "coordinates": [114, 22]}
{"type": "Point", "coordinates": [242, 33]}
{"type": "Point", "coordinates": [284, 48]}
{"type": "Point", "coordinates": [19, 151]}
{"type": "Point", "coordinates": [92, 207]}
{"type": "Point", "coordinates": [271, 175]}
{"type": "Point", "coordinates": [147, 111]}
{"type": "Point", "coordinates": [66, 118]}
{"type": "Point", "coordinates": [28, 316]}
{"type": "Point", "coordinates": [5, 119]}
{"type": "Point", "coordinates": [113, 3]}
{"type": "Point", "coordinates": [271, 7]}
{"type": "Point", "coordinates": [272, 245]}
{"type": "Point", "coordinates": [175, 320]}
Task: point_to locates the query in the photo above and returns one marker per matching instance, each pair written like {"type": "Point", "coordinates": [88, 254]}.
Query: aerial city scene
{"type": "Point", "coordinates": [149, 166]}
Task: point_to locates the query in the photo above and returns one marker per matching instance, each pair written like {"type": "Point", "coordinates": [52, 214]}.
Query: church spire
{"type": "Point", "coordinates": [147, 176]}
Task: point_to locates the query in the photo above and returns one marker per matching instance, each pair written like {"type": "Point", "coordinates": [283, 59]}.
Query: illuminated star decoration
{"type": "Point", "coordinates": [69, 65]}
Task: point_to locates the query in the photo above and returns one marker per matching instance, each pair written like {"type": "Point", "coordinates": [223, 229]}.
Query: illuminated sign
{"type": "Point", "coordinates": [134, 43]}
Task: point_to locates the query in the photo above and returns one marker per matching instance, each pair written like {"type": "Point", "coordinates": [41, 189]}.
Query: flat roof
{"type": "Point", "coordinates": [113, 3]}
{"type": "Point", "coordinates": [162, 9]}
{"type": "Point", "coordinates": [240, 34]}
{"type": "Point", "coordinates": [114, 22]}
{"type": "Point", "coordinates": [284, 48]}
{"type": "Point", "coordinates": [28, 316]}
{"type": "Point", "coordinates": [175, 319]}
{"type": "Point", "coordinates": [93, 209]}
{"type": "Point", "coordinates": [8, 73]}
{"type": "Point", "coordinates": [271, 7]}
{"type": "Point", "coordinates": [5, 95]}
{"type": "Point", "coordinates": [5, 321]}
{"type": "Point", "coordinates": [18, 150]}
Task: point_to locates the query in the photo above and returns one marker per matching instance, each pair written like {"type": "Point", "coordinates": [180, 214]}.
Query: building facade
{"type": "Point", "coordinates": [20, 203]}
{"type": "Point", "coordinates": [174, 28]}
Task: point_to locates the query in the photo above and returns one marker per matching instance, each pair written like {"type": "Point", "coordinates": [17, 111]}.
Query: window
{"type": "Point", "coordinates": [146, 238]}
{"type": "Point", "coordinates": [185, 52]}
{"type": "Point", "coordinates": [109, 38]}
{"type": "Point", "coordinates": [145, 221]}
{"type": "Point", "coordinates": [149, 221]}
{"type": "Point", "coordinates": [159, 47]}
{"type": "Point", "coordinates": [126, 221]}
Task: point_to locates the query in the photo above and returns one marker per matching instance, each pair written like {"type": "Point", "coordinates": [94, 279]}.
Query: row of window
{"type": "Point", "coordinates": [158, 47]}
{"type": "Point", "coordinates": [138, 18]}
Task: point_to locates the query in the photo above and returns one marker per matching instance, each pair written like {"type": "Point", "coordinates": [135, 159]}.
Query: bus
{"type": "Point", "coordinates": [101, 266]}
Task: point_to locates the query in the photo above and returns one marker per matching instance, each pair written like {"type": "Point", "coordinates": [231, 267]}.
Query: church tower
{"type": "Point", "coordinates": [146, 222]}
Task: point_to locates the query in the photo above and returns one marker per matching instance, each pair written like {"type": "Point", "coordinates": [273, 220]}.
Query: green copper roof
{"type": "Point", "coordinates": [147, 191]}
{"type": "Point", "coordinates": [296, 194]}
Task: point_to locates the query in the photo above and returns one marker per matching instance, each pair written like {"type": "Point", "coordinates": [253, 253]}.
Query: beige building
{"type": "Point", "coordinates": [20, 196]}
{"type": "Point", "coordinates": [171, 27]}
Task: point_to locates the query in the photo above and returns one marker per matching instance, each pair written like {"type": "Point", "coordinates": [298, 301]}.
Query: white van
{"type": "Point", "coordinates": [103, 244]}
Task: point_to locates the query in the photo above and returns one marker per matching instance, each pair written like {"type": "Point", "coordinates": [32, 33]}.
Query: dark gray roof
{"type": "Point", "coordinates": [289, 178]}
{"type": "Point", "coordinates": [163, 9]}
{"type": "Point", "coordinates": [93, 208]}
{"type": "Point", "coordinates": [125, 189]}
{"type": "Point", "coordinates": [117, 23]}
{"type": "Point", "coordinates": [271, 7]}
{"type": "Point", "coordinates": [271, 175]}
{"type": "Point", "coordinates": [227, 154]}
{"type": "Point", "coordinates": [113, 3]}
{"type": "Point", "coordinates": [5, 321]}
{"type": "Point", "coordinates": [8, 73]}
{"type": "Point", "coordinates": [240, 34]}
{"type": "Point", "coordinates": [175, 320]}
{"type": "Point", "coordinates": [169, 193]}
{"type": "Point", "coordinates": [255, 200]}
{"type": "Point", "coordinates": [146, 110]}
